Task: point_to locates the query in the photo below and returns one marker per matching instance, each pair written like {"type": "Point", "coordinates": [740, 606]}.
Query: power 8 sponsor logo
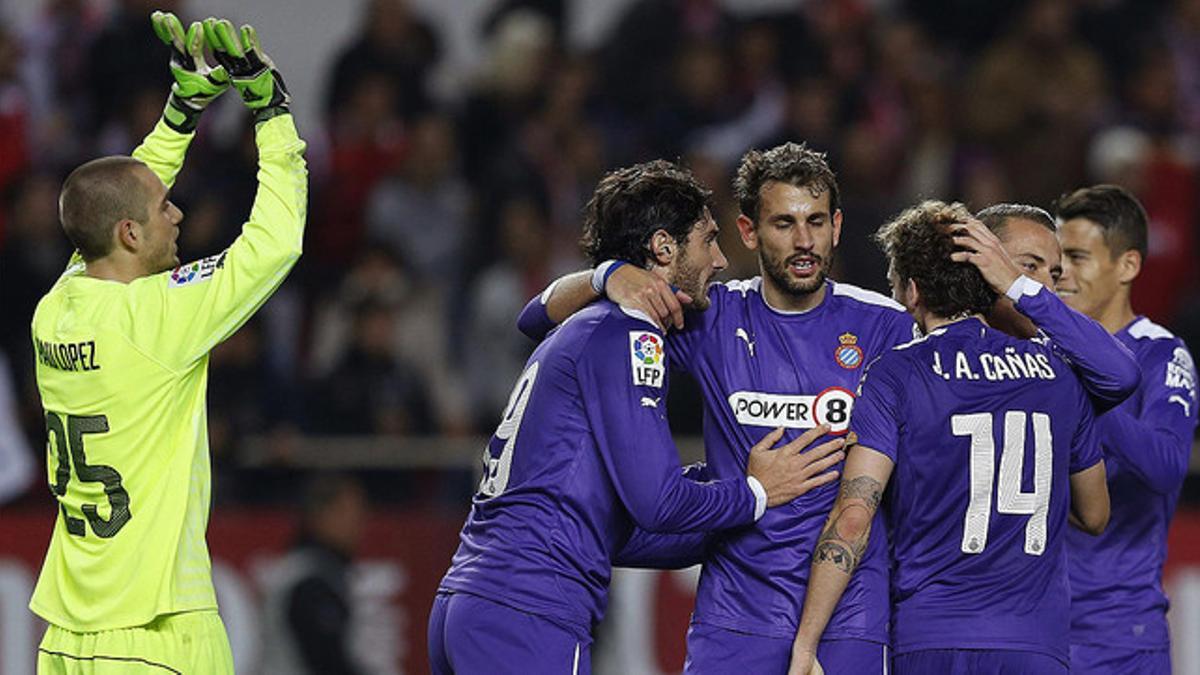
{"type": "Point", "coordinates": [832, 406]}
{"type": "Point", "coordinates": [646, 359]}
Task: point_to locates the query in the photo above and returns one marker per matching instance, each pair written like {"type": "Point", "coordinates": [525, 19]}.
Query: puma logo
{"type": "Point", "coordinates": [648, 402]}
{"type": "Point", "coordinates": [741, 333]}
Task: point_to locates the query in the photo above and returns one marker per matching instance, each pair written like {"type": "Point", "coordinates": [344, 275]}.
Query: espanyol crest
{"type": "Point", "coordinates": [848, 354]}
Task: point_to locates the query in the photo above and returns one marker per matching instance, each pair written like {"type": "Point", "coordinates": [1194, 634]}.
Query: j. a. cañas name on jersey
{"type": "Point", "coordinates": [1011, 365]}
{"type": "Point", "coordinates": [70, 356]}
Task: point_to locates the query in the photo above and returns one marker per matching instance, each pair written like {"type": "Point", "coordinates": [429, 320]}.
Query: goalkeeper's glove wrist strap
{"type": "Point", "coordinates": [263, 114]}
{"type": "Point", "coordinates": [180, 116]}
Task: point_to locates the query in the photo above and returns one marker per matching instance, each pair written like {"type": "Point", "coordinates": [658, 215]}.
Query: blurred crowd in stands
{"type": "Point", "coordinates": [434, 219]}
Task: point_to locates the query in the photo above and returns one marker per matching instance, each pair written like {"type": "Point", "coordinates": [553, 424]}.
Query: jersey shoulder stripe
{"type": "Point", "coordinates": [745, 286]}
{"type": "Point", "coordinates": [865, 296]}
{"type": "Point", "coordinates": [1145, 329]}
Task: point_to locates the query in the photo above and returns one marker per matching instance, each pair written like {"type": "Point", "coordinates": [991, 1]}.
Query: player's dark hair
{"type": "Point", "coordinates": [96, 196]}
{"type": "Point", "coordinates": [1122, 220]}
{"type": "Point", "coordinates": [791, 163]}
{"type": "Point", "coordinates": [918, 244]}
{"type": "Point", "coordinates": [631, 204]}
{"type": "Point", "coordinates": [997, 216]}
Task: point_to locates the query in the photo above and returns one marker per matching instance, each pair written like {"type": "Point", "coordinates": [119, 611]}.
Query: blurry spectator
{"type": "Point", "coordinates": [309, 609]}
{"type": "Point", "coordinates": [1033, 96]}
{"type": "Point", "coordinates": [371, 390]}
{"type": "Point", "coordinates": [14, 118]}
{"type": "Point", "coordinates": [1182, 29]}
{"type": "Point", "coordinates": [393, 45]}
{"type": "Point", "coordinates": [124, 60]}
{"type": "Point", "coordinates": [54, 71]}
{"type": "Point", "coordinates": [507, 93]}
{"type": "Point", "coordinates": [33, 254]}
{"type": "Point", "coordinates": [495, 352]}
{"type": "Point", "coordinates": [245, 397]}
{"type": "Point", "coordinates": [644, 45]}
{"type": "Point", "coordinates": [16, 457]}
{"type": "Point", "coordinates": [419, 331]}
{"type": "Point", "coordinates": [697, 97]}
{"type": "Point", "coordinates": [421, 211]}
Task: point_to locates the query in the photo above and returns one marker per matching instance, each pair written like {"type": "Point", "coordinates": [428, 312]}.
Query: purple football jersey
{"type": "Point", "coordinates": [1116, 578]}
{"type": "Point", "coordinates": [760, 368]}
{"type": "Point", "coordinates": [984, 430]}
{"type": "Point", "coordinates": [583, 453]}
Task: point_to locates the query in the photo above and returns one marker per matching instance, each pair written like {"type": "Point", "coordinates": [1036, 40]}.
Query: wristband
{"type": "Point", "coordinates": [602, 272]}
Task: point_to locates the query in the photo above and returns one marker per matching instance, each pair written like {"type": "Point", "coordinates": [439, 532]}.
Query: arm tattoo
{"type": "Point", "coordinates": [865, 488]}
{"type": "Point", "coordinates": [835, 553]}
{"type": "Point", "coordinates": [859, 497]}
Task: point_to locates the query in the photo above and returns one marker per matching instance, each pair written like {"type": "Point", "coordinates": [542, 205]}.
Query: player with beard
{"type": "Point", "coordinates": [583, 454]}
{"type": "Point", "coordinates": [784, 349]}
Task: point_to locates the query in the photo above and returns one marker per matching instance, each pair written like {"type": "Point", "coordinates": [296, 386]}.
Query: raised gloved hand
{"type": "Point", "coordinates": [250, 70]}
{"type": "Point", "coordinates": [196, 82]}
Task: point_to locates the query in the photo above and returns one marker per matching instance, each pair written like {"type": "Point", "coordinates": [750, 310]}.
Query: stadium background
{"type": "Point", "coordinates": [451, 146]}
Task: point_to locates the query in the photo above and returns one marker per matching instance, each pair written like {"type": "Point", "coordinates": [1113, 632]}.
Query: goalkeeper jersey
{"type": "Point", "coordinates": [122, 371]}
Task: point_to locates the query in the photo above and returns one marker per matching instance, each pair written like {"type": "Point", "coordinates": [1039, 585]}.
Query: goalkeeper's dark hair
{"type": "Point", "coordinates": [98, 195]}
{"type": "Point", "coordinates": [918, 244]}
{"type": "Point", "coordinates": [997, 217]}
{"type": "Point", "coordinates": [1121, 217]}
{"type": "Point", "coordinates": [631, 204]}
{"type": "Point", "coordinates": [791, 163]}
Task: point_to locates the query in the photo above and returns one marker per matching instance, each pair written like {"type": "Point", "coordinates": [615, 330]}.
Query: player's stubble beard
{"type": "Point", "coordinates": [693, 280]}
{"type": "Point", "coordinates": [776, 268]}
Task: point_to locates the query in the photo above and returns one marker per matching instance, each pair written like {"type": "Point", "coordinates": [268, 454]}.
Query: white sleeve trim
{"type": "Point", "coordinates": [598, 275]}
{"type": "Point", "coordinates": [1023, 286]}
{"type": "Point", "coordinates": [760, 497]}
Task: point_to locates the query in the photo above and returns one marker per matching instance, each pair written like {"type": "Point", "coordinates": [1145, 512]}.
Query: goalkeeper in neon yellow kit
{"type": "Point", "coordinates": [122, 343]}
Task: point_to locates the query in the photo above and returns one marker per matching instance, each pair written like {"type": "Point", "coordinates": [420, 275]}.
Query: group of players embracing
{"type": "Point", "coordinates": [973, 476]}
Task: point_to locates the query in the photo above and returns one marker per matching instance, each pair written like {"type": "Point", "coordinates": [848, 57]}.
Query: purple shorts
{"type": "Point", "coordinates": [469, 635]}
{"type": "Point", "coordinates": [977, 662]}
{"type": "Point", "coordinates": [713, 651]}
{"type": "Point", "coordinates": [1101, 660]}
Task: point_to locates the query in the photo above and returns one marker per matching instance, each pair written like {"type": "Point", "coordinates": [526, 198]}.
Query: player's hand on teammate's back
{"type": "Point", "coordinates": [789, 471]}
{"type": "Point", "coordinates": [250, 69]}
{"type": "Point", "coordinates": [633, 287]}
{"type": "Point", "coordinates": [983, 249]}
{"type": "Point", "coordinates": [197, 83]}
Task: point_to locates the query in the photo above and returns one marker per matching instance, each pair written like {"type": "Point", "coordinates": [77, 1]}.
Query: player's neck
{"type": "Point", "coordinates": [1117, 314]}
{"type": "Point", "coordinates": [780, 300]}
{"type": "Point", "coordinates": [110, 268]}
{"type": "Point", "coordinates": [933, 322]}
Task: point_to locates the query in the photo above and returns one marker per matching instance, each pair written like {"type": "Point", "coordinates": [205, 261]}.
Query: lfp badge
{"type": "Point", "coordinates": [646, 358]}
{"type": "Point", "coordinates": [848, 354]}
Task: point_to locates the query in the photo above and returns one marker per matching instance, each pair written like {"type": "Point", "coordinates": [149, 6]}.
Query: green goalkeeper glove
{"type": "Point", "coordinates": [252, 72]}
{"type": "Point", "coordinates": [196, 82]}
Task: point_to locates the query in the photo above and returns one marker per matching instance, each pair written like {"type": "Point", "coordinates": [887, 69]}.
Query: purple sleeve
{"type": "Point", "coordinates": [667, 551]}
{"type": "Point", "coordinates": [1156, 445]}
{"type": "Point", "coordinates": [621, 374]}
{"type": "Point", "coordinates": [1085, 444]}
{"type": "Point", "coordinates": [533, 321]}
{"type": "Point", "coordinates": [876, 414]}
{"type": "Point", "coordinates": [1106, 367]}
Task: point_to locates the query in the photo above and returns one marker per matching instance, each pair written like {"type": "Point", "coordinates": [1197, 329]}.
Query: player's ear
{"type": "Point", "coordinates": [662, 248]}
{"type": "Point", "coordinates": [128, 234]}
{"type": "Point", "coordinates": [749, 233]}
{"type": "Point", "coordinates": [1129, 265]}
{"type": "Point", "coordinates": [837, 227]}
